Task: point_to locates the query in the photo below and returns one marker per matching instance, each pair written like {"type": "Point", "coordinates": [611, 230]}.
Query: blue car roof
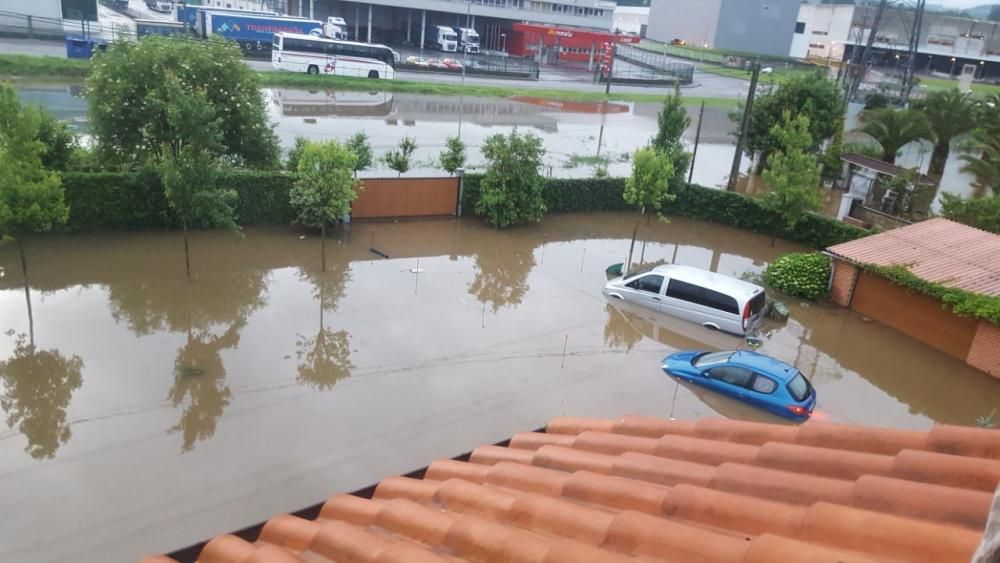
{"type": "Point", "coordinates": [764, 364]}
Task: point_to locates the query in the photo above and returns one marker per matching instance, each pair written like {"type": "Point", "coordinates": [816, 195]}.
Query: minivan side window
{"type": "Point", "coordinates": [702, 296]}
{"type": "Point", "coordinates": [652, 284]}
{"type": "Point", "coordinates": [734, 375]}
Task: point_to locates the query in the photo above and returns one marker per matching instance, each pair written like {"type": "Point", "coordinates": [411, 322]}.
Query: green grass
{"type": "Point", "coordinates": [56, 68]}
{"type": "Point", "coordinates": [934, 83]}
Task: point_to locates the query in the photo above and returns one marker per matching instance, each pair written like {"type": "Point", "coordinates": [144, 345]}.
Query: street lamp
{"type": "Point", "coordinates": [503, 42]}
{"type": "Point", "coordinates": [982, 69]}
{"type": "Point", "coordinates": [952, 71]}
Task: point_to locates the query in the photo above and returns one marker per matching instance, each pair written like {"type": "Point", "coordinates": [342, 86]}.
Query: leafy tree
{"type": "Point", "coordinates": [894, 129]}
{"type": "Point", "coordinates": [188, 166]}
{"type": "Point", "coordinates": [37, 388]}
{"type": "Point", "coordinates": [398, 158]}
{"type": "Point", "coordinates": [31, 196]}
{"type": "Point", "coordinates": [130, 122]}
{"type": "Point", "coordinates": [295, 153]}
{"type": "Point", "coordinates": [792, 173]}
{"type": "Point", "coordinates": [672, 121]}
{"type": "Point", "coordinates": [511, 189]}
{"type": "Point", "coordinates": [949, 113]}
{"type": "Point", "coordinates": [811, 94]}
{"type": "Point", "coordinates": [326, 187]}
{"type": "Point", "coordinates": [58, 140]}
{"type": "Point", "coordinates": [453, 156]}
{"type": "Point", "coordinates": [648, 186]}
{"type": "Point", "coordinates": [985, 167]}
{"type": "Point", "coordinates": [362, 149]}
{"type": "Point", "coordinates": [982, 212]}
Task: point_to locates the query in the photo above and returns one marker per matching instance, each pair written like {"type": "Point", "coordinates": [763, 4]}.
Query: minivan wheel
{"type": "Point", "coordinates": [373, 74]}
{"type": "Point", "coordinates": [313, 69]}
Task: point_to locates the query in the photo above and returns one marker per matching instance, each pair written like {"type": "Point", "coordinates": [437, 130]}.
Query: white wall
{"type": "Point", "coordinates": [39, 8]}
{"type": "Point", "coordinates": [828, 27]}
{"type": "Point", "coordinates": [630, 19]}
{"type": "Point", "coordinates": [693, 21]}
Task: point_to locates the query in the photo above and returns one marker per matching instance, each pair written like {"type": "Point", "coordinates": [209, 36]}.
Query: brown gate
{"type": "Point", "coordinates": [914, 314]}
{"type": "Point", "coordinates": [406, 197]}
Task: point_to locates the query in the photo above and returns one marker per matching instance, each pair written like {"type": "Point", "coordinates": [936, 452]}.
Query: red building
{"type": "Point", "coordinates": [559, 44]}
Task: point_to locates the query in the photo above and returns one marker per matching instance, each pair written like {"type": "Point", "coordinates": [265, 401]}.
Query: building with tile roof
{"type": "Point", "coordinates": [648, 489]}
{"type": "Point", "coordinates": [938, 251]}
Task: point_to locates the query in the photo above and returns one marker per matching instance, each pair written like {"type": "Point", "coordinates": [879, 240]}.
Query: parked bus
{"type": "Point", "coordinates": [316, 55]}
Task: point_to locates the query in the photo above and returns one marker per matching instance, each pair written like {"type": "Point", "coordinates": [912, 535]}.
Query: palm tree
{"type": "Point", "coordinates": [985, 167]}
{"type": "Point", "coordinates": [949, 113]}
{"type": "Point", "coordinates": [894, 129]}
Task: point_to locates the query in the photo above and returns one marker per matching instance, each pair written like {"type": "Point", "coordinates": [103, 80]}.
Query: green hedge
{"type": "Point", "coordinates": [135, 200]}
{"type": "Point", "coordinates": [800, 274]}
{"type": "Point", "coordinates": [695, 202]}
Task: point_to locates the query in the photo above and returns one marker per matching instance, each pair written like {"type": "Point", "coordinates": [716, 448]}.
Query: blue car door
{"type": "Point", "coordinates": [731, 380]}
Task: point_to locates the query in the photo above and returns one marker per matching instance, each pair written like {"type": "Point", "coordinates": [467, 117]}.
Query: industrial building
{"type": "Point", "coordinates": [394, 21]}
{"type": "Point", "coordinates": [756, 26]}
{"type": "Point", "coordinates": [29, 17]}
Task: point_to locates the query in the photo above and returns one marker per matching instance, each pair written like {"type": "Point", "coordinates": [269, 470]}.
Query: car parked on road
{"type": "Point", "coordinates": [753, 378]}
{"type": "Point", "coordinates": [707, 298]}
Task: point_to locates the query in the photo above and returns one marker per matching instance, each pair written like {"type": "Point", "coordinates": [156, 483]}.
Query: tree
{"type": "Point", "coordinates": [130, 124]}
{"type": "Point", "coordinates": [792, 173]}
{"type": "Point", "coordinates": [453, 156]}
{"type": "Point", "coordinates": [949, 113]}
{"type": "Point", "coordinates": [980, 212]}
{"type": "Point", "coordinates": [894, 129]}
{"type": "Point", "coordinates": [648, 186]}
{"type": "Point", "coordinates": [398, 158]}
{"type": "Point", "coordinates": [812, 94]}
{"type": "Point", "coordinates": [672, 121]}
{"type": "Point", "coordinates": [31, 196]}
{"type": "Point", "coordinates": [188, 163]}
{"type": "Point", "coordinates": [985, 167]}
{"type": "Point", "coordinates": [362, 149]}
{"type": "Point", "coordinates": [295, 153]}
{"type": "Point", "coordinates": [510, 191]}
{"type": "Point", "coordinates": [58, 140]}
{"type": "Point", "coordinates": [326, 187]}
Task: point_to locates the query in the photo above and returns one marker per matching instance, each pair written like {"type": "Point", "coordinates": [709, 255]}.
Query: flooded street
{"type": "Point", "coordinates": [150, 412]}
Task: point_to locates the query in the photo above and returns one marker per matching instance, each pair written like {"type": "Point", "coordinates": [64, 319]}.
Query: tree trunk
{"type": "Point", "coordinates": [322, 245]}
{"type": "Point", "coordinates": [27, 293]}
{"type": "Point", "coordinates": [187, 252]}
{"type": "Point", "coordinates": [631, 247]}
{"type": "Point", "coordinates": [889, 157]}
{"type": "Point", "coordinates": [939, 158]}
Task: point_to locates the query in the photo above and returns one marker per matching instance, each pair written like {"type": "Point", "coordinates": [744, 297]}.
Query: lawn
{"type": "Point", "coordinates": [57, 68]}
{"type": "Point", "coordinates": [934, 83]}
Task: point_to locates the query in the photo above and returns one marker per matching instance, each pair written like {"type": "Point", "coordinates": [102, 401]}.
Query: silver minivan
{"type": "Point", "coordinates": [707, 298]}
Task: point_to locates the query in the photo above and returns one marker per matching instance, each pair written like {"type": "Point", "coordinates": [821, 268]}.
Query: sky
{"type": "Point", "coordinates": [961, 3]}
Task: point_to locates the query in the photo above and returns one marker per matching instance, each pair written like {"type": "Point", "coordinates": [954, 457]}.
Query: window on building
{"type": "Point", "coordinates": [800, 27]}
{"type": "Point", "coordinates": [818, 32]}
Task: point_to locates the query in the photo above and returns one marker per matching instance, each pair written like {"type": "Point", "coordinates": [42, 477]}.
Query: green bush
{"type": "Point", "coordinates": [800, 274]}
{"type": "Point", "coordinates": [982, 212]}
{"type": "Point", "coordinates": [263, 196]}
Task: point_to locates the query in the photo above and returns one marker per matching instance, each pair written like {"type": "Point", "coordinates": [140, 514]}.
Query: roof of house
{"type": "Point", "coordinates": [880, 166]}
{"type": "Point", "coordinates": [937, 250]}
{"type": "Point", "coordinates": [651, 489]}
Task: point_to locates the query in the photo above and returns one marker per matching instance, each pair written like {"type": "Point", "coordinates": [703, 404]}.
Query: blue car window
{"type": "Point", "coordinates": [762, 384]}
{"type": "Point", "coordinates": [799, 387]}
{"type": "Point", "coordinates": [711, 359]}
{"type": "Point", "coordinates": [733, 375]}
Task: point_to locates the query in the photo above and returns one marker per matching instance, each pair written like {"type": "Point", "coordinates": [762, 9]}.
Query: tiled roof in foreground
{"type": "Point", "coordinates": [645, 489]}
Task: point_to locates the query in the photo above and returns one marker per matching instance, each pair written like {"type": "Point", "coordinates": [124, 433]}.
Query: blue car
{"type": "Point", "coordinates": [747, 376]}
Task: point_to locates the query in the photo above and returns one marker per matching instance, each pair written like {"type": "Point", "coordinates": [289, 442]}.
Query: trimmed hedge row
{"type": "Point", "coordinates": [123, 200]}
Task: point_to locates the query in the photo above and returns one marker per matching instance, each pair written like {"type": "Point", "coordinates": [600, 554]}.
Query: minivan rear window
{"type": "Point", "coordinates": [799, 387]}
{"type": "Point", "coordinates": [757, 303]}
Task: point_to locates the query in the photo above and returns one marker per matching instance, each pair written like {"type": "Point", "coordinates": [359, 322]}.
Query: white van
{"type": "Point", "coordinates": [709, 299]}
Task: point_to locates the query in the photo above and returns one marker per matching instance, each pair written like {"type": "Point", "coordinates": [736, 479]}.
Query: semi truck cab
{"type": "Point", "coordinates": [444, 38]}
{"type": "Point", "coordinates": [468, 39]}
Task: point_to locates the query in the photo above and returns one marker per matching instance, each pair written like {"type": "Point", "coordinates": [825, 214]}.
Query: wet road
{"type": "Point", "coordinates": [148, 412]}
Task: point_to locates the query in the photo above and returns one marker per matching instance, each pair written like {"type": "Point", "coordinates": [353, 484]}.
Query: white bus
{"type": "Point", "coordinates": [316, 55]}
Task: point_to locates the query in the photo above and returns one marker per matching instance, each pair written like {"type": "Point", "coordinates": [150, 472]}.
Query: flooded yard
{"type": "Point", "coordinates": [146, 412]}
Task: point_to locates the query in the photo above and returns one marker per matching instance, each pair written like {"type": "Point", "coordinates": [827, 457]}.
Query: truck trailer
{"type": "Point", "coordinates": [253, 33]}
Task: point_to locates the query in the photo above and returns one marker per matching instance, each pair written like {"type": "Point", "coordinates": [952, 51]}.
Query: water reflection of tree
{"type": "Point", "coordinates": [325, 358]}
{"type": "Point", "coordinates": [502, 275]}
{"type": "Point", "coordinates": [38, 385]}
{"type": "Point", "coordinates": [200, 376]}
{"type": "Point", "coordinates": [618, 331]}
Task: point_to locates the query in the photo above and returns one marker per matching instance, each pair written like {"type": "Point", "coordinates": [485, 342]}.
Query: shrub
{"type": "Point", "coordinates": [982, 213]}
{"type": "Point", "coordinates": [800, 274]}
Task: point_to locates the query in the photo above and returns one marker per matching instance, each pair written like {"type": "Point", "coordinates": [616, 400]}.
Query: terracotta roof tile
{"type": "Point", "coordinates": [937, 250]}
{"type": "Point", "coordinates": [656, 490]}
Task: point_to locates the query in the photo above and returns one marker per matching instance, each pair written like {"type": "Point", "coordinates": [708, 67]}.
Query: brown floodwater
{"type": "Point", "coordinates": [148, 412]}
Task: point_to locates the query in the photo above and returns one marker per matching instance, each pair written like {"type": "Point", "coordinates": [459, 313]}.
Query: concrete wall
{"type": "Point", "coordinates": [694, 22]}
{"type": "Point", "coordinates": [757, 26]}
{"type": "Point", "coordinates": [35, 8]}
{"type": "Point", "coordinates": [985, 351]}
{"type": "Point", "coordinates": [827, 29]}
{"type": "Point", "coordinates": [630, 19]}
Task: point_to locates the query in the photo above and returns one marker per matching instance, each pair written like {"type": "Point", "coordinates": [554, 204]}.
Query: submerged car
{"type": "Point", "coordinates": [707, 298]}
{"type": "Point", "coordinates": [753, 378]}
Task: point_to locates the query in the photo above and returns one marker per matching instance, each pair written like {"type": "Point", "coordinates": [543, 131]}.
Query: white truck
{"type": "Point", "coordinates": [335, 28]}
{"type": "Point", "coordinates": [468, 39]}
{"type": "Point", "coordinates": [442, 38]}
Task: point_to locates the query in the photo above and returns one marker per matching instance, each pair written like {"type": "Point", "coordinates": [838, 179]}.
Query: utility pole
{"type": "Point", "coordinates": [611, 68]}
{"type": "Point", "coordinates": [734, 172]}
{"type": "Point", "coordinates": [911, 68]}
{"type": "Point", "coordinates": [697, 138]}
{"type": "Point", "coordinates": [857, 70]}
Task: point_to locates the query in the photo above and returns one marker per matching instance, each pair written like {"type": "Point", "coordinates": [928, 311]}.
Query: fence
{"type": "Point", "coordinates": [484, 64]}
{"type": "Point", "coordinates": [730, 59]}
{"type": "Point", "coordinates": [406, 197]}
{"type": "Point", "coordinates": [649, 67]}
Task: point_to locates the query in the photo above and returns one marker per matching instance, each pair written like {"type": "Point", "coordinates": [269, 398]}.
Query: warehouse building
{"type": "Point", "coordinates": [755, 26]}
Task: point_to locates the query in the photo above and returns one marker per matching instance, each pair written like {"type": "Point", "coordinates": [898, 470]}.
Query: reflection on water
{"type": "Point", "coordinates": [275, 378]}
